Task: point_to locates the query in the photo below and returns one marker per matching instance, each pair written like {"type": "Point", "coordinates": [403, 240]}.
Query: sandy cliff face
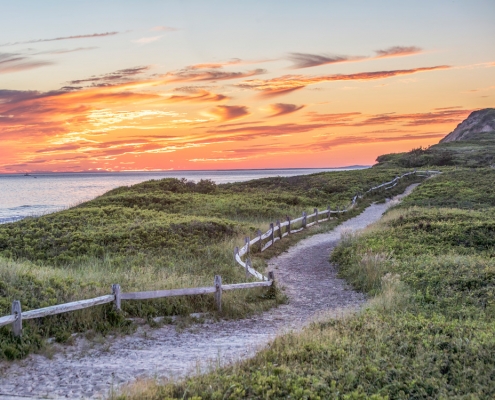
{"type": "Point", "coordinates": [480, 121]}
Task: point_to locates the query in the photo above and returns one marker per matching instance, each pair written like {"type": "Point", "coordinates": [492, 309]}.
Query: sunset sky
{"type": "Point", "coordinates": [158, 85]}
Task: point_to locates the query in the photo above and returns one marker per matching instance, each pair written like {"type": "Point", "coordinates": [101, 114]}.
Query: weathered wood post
{"type": "Point", "coordinates": [272, 233]}
{"type": "Point", "coordinates": [248, 265]}
{"type": "Point", "coordinates": [17, 324]}
{"type": "Point", "coordinates": [218, 292]}
{"type": "Point", "coordinates": [288, 224]}
{"type": "Point", "coordinates": [279, 229]}
{"type": "Point", "coordinates": [246, 241]}
{"type": "Point", "coordinates": [329, 214]}
{"type": "Point", "coordinates": [261, 241]}
{"type": "Point", "coordinates": [304, 220]}
{"type": "Point", "coordinates": [272, 291]}
{"type": "Point", "coordinates": [316, 215]}
{"type": "Point", "coordinates": [116, 293]}
{"type": "Point", "coordinates": [236, 251]}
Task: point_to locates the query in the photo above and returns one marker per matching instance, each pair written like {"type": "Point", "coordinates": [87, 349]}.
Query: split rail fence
{"type": "Point", "coordinates": [17, 315]}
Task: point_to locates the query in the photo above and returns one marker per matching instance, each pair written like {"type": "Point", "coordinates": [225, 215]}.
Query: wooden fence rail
{"type": "Point", "coordinates": [17, 316]}
{"type": "Point", "coordinates": [270, 234]}
{"type": "Point", "coordinates": [273, 234]}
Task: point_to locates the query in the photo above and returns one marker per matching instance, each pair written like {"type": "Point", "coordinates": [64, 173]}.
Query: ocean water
{"type": "Point", "coordinates": [38, 194]}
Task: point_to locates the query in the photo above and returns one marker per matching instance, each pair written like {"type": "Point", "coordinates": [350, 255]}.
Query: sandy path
{"type": "Point", "coordinates": [90, 370]}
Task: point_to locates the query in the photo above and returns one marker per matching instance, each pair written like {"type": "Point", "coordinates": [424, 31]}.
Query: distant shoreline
{"type": "Point", "coordinates": [348, 167]}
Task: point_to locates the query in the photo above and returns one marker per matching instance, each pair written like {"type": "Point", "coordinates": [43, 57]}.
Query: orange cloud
{"type": "Point", "coordinates": [279, 109]}
{"type": "Point", "coordinates": [323, 145]}
{"type": "Point", "coordinates": [287, 83]}
{"type": "Point", "coordinates": [339, 118]}
{"type": "Point", "coordinates": [258, 131]}
{"type": "Point", "coordinates": [227, 113]}
{"type": "Point", "coordinates": [438, 116]}
{"type": "Point", "coordinates": [198, 96]}
{"type": "Point", "coordinates": [234, 61]}
{"type": "Point", "coordinates": [416, 119]}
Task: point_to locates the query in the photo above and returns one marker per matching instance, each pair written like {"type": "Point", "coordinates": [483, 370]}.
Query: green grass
{"type": "Point", "coordinates": [478, 152]}
{"type": "Point", "coordinates": [156, 235]}
{"type": "Point", "coordinates": [429, 328]}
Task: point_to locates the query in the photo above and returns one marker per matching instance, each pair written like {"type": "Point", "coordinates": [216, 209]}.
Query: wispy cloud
{"type": "Point", "coordinates": [64, 51]}
{"type": "Point", "coordinates": [218, 159]}
{"type": "Point", "coordinates": [416, 119]}
{"type": "Point", "coordinates": [197, 96]}
{"type": "Point", "coordinates": [437, 116]}
{"type": "Point", "coordinates": [12, 62]}
{"type": "Point", "coordinates": [447, 108]}
{"type": "Point", "coordinates": [227, 113]}
{"type": "Point", "coordinates": [306, 60]}
{"type": "Point", "coordinates": [279, 109]}
{"type": "Point", "coordinates": [335, 118]}
{"type": "Point", "coordinates": [195, 74]}
{"type": "Point", "coordinates": [287, 83]}
{"type": "Point", "coordinates": [234, 61]}
{"type": "Point", "coordinates": [398, 51]}
{"type": "Point", "coordinates": [122, 75]}
{"type": "Point", "coordinates": [92, 35]}
{"type": "Point", "coordinates": [250, 132]}
{"type": "Point", "coordinates": [259, 150]}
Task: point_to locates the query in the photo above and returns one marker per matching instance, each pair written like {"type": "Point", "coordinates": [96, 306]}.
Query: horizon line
{"type": "Point", "coordinates": [178, 170]}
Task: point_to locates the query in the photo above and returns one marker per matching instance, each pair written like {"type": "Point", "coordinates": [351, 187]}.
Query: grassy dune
{"type": "Point", "coordinates": [429, 330]}
{"type": "Point", "coordinates": [478, 152]}
{"type": "Point", "coordinates": [155, 235]}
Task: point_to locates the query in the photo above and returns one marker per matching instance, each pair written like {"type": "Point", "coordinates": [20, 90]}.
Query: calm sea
{"type": "Point", "coordinates": [22, 196]}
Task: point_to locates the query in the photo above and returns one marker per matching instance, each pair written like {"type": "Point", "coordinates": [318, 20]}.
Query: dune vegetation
{"type": "Point", "coordinates": [428, 330]}
{"type": "Point", "coordinates": [476, 152]}
{"type": "Point", "coordinates": [161, 234]}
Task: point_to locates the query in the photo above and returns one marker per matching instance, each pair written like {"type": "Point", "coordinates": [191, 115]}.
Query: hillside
{"type": "Point", "coordinates": [481, 121]}
{"type": "Point", "coordinates": [471, 144]}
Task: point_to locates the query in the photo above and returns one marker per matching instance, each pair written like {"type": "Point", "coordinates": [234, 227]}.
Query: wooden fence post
{"type": "Point", "coordinates": [17, 324]}
{"type": "Point", "coordinates": [272, 234]}
{"type": "Point", "coordinates": [304, 221]}
{"type": "Point", "coordinates": [218, 292]}
{"type": "Point", "coordinates": [116, 293]}
{"type": "Point", "coordinates": [328, 208]}
{"type": "Point", "coordinates": [288, 225]}
{"type": "Point", "coordinates": [246, 241]}
{"type": "Point", "coordinates": [248, 265]}
{"type": "Point", "coordinates": [279, 229]}
{"type": "Point", "coordinates": [272, 292]}
{"type": "Point", "coordinates": [316, 215]}
{"type": "Point", "coordinates": [236, 251]}
{"type": "Point", "coordinates": [261, 241]}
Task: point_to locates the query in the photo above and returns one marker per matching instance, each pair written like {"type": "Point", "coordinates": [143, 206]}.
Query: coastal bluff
{"type": "Point", "coordinates": [481, 121]}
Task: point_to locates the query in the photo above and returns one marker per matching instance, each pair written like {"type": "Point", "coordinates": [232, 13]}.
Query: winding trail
{"type": "Point", "coordinates": [91, 370]}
